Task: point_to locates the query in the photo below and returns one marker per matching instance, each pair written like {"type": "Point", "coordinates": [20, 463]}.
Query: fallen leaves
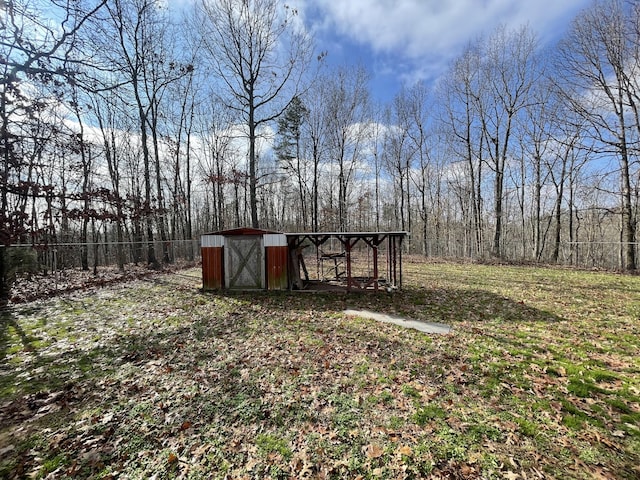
{"type": "Point", "coordinates": [37, 286]}
{"type": "Point", "coordinates": [373, 451]}
{"type": "Point", "coordinates": [147, 379]}
{"type": "Point", "coordinates": [405, 450]}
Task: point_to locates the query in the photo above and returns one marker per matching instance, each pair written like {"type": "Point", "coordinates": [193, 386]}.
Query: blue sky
{"type": "Point", "coordinates": [408, 40]}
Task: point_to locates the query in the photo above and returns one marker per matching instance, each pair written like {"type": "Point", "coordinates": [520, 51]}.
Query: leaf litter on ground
{"type": "Point", "coordinates": [153, 378]}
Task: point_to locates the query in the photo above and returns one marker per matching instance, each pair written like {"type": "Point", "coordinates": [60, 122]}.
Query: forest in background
{"type": "Point", "coordinates": [124, 122]}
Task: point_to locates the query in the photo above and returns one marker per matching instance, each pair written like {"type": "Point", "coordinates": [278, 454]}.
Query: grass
{"type": "Point", "coordinates": [539, 378]}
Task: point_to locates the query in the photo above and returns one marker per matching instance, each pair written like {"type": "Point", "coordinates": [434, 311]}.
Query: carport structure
{"type": "Point", "coordinates": [375, 246]}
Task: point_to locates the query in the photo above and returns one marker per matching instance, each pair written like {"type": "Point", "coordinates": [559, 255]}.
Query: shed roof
{"type": "Point", "coordinates": [241, 231]}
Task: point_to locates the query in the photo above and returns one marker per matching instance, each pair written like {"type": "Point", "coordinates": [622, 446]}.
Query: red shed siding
{"type": "Point", "coordinates": [212, 268]}
{"type": "Point", "coordinates": [277, 261]}
{"type": "Point", "coordinates": [212, 262]}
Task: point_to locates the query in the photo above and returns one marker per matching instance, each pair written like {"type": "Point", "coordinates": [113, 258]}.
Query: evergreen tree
{"type": "Point", "coordinates": [288, 151]}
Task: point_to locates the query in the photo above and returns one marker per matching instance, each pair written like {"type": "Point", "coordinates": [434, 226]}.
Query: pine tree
{"type": "Point", "coordinates": [288, 151]}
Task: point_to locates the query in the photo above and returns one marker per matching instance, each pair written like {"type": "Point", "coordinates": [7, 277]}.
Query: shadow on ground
{"type": "Point", "coordinates": [165, 381]}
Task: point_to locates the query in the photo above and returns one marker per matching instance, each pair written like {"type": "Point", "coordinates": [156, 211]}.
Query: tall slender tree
{"type": "Point", "coordinates": [599, 63]}
{"type": "Point", "coordinates": [509, 72]}
{"type": "Point", "coordinates": [258, 51]}
{"type": "Point", "coordinates": [289, 153]}
{"type": "Point", "coordinates": [461, 90]}
{"type": "Point", "coordinates": [315, 140]}
{"type": "Point", "coordinates": [347, 115]}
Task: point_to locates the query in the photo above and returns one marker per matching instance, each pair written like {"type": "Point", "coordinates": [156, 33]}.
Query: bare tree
{"type": "Point", "coordinates": [82, 146]}
{"type": "Point", "coordinates": [426, 175]}
{"type": "Point", "coordinates": [181, 147]}
{"type": "Point", "coordinates": [160, 69]}
{"type": "Point", "coordinates": [598, 60]}
{"type": "Point", "coordinates": [314, 139]}
{"type": "Point", "coordinates": [144, 67]}
{"type": "Point", "coordinates": [214, 130]}
{"type": "Point", "coordinates": [259, 53]}
{"type": "Point", "coordinates": [131, 19]}
{"type": "Point", "coordinates": [461, 91]}
{"type": "Point", "coordinates": [347, 115]}
{"type": "Point", "coordinates": [377, 139]}
{"type": "Point", "coordinates": [536, 133]}
{"type": "Point", "coordinates": [509, 72]}
{"type": "Point", "coordinates": [107, 112]}
{"type": "Point", "coordinates": [398, 154]}
{"type": "Point", "coordinates": [35, 51]}
{"type": "Point", "coordinates": [564, 165]}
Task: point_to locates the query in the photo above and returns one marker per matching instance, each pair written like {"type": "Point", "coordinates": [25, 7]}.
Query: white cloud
{"type": "Point", "coordinates": [419, 27]}
{"type": "Point", "coordinates": [435, 30]}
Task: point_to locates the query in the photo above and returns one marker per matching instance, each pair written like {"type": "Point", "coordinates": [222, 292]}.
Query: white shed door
{"type": "Point", "coordinates": [244, 262]}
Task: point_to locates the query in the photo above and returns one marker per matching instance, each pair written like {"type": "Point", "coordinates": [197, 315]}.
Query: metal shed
{"type": "Point", "coordinates": [244, 259]}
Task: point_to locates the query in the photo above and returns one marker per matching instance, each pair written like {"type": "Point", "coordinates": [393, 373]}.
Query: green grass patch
{"type": "Point", "coordinates": [271, 443]}
{"type": "Point", "coordinates": [428, 413]}
{"type": "Point", "coordinates": [154, 379]}
{"type": "Point", "coordinates": [584, 388]}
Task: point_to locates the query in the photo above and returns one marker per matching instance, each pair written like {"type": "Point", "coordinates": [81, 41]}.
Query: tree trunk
{"type": "Point", "coordinates": [558, 211]}
{"type": "Point", "coordinates": [4, 280]}
{"type": "Point", "coordinates": [253, 199]}
{"type": "Point", "coordinates": [189, 225]}
{"type": "Point", "coordinates": [497, 236]}
{"type": "Point", "coordinates": [628, 222]}
{"type": "Point", "coordinates": [152, 261]}
{"type": "Point", "coordinates": [316, 162]}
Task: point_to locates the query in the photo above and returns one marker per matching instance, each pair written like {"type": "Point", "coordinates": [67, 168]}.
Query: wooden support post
{"type": "Point", "coordinates": [347, 245]}
{"type": "Point", "coordinates": [400, 247]}
{"type": "Point", "coordinates": [375, 263]}
{"type": "Point", "coordinates": [394, 261]}
{"type": "Point", "coordinates": [389, 259]}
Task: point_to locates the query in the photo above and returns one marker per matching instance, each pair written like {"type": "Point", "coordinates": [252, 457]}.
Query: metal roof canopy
{"type": "Point", "coordinates": [373, 240]}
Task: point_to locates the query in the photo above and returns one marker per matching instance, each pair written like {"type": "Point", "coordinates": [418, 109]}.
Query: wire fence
{"type": "Point", "coordinates": [54, 257]}
{"type": "Point", "coordinates": [96, 256]}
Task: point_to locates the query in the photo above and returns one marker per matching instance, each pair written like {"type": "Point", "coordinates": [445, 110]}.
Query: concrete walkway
{"type": "Point", "coordinates": [403, 322]}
